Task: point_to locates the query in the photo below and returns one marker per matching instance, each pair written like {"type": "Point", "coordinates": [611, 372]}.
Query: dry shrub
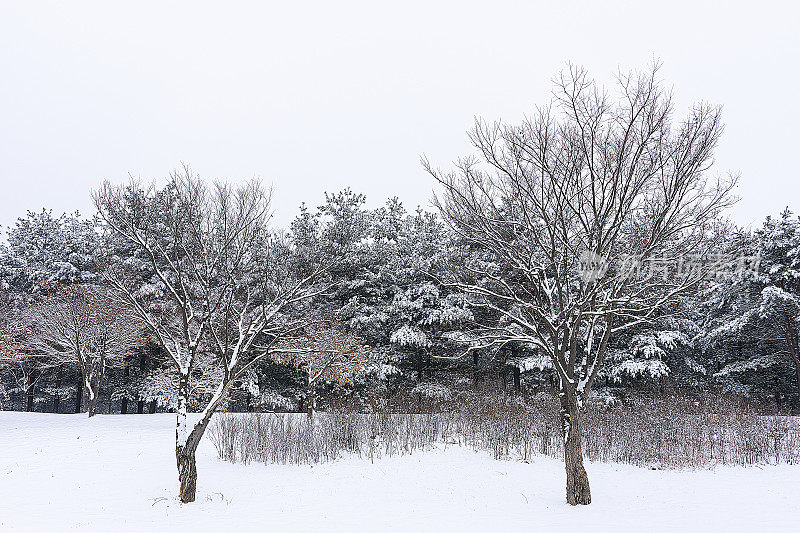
{"type": "Point", "coordinates": [656, 431]}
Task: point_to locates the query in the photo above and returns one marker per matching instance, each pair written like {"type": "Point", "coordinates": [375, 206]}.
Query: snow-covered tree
{"type": "Point", "coordinates": [754, 321]}
{"type": "Point", "coordinates": [220, 284]}
{"type": "Point", "coordinates": [83, 324]}
{"type": "Point", "coordinates": [44, 250]}
{"type": "Point", "coordinates": [8, 344]}
{"type": "Point", "coordinates": [647, 355]}
{"type": "Point", "coordinates": [43, 253]}
{"type": "Point", "coordinates": [565, 204]}
{"type": "Point", "coordinates": [387, 281]}
{"type": "Point", "coordinates": [21, 368]}
{"type": "Point", "coordinates": [324, 351]}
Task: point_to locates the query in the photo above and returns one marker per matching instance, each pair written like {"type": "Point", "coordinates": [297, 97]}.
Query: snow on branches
{"type": "Point", "coordinates": [84, 324]}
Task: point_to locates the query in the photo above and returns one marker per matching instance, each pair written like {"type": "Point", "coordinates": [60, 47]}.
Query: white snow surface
{"type": "Point", "coordinates": [109, 473]}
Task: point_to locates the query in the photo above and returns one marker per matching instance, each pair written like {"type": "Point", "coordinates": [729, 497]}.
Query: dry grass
{"type": "Point", "coordinates": [656, 431]}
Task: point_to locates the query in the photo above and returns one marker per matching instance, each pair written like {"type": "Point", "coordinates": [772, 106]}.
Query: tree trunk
{"type": "Point", "coordinates": [84, 400]}
{"type": "Point", "coordinates": [184, 448]}
{"type": "Point", "coordinates": [57, 397]}
{"type": "Point", "coordinates": [94, 391]}
{"type": "Point", "coordinates": [578, 492]}
{"type": "Point", "coordinates": [796, 360]}
{"type": "Point", "coordinates": [123, 408]}
{"type": "Point", "coordinates": [79, 391]}
{"type": "Point", "coordinates": [186, 442]}
{"type": "Point", "coordinates": [793, 343]}
{"type": "Point", "coordinates": [88, 400]}
{"type": "Point", "coordinates": [30, 390]}
{"type": "Point", "coordinates": [140, 407]}
{"type": "Point", "coordinates": [311, 401]}
{"type": "Point", "coordinates": [187, 472]}
{"type": "Point", "coordinates": [185, 454]}
{"type": "Point", "coordinates": [152, 406]}
{"type": "Point", "coordinates": [30, 393]}
{"type": "Point", "coordinates": [92, 409]}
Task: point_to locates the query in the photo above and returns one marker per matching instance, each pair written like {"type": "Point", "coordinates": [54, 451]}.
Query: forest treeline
{"type": "Point", "coordinates": [735, 334]}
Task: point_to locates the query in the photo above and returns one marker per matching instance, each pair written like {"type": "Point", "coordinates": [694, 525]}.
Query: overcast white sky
{"type": "Point", "coordinates": [319, 96]}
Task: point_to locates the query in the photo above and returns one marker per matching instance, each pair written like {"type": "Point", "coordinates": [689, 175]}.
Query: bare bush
{"type": "Point", "coordinates": [666, 431]}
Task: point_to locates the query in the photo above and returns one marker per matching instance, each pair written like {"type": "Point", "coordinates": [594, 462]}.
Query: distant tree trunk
{"type": "Point", "coordinates": [793, 344]}
{"type": "Point", "coordinates": [504, 368]}
{"type": "Point", "coordinates": [578, 492]}
{"type": "Point", "coordinates": [476, 375]}
{"type": "Point", "coordinates": [311, 401]}
{"type": "Point", "coordinates": [32, 377]}
{"type": "Point", "coordinates": [79, 391]}
{"type": "Point", "coordinates": [94, 387]}
{"type": "Point", "coordinates": [152, 406]}
{"type": "Point", "coordinates": [797, 371]}
{"type": "Point", "coordinates": [30, 393]}
{"type": "Point", "coordinates": [57, 396]}
{"type": "Point", "coordinates": [517, 384]}
{"type": "Point", "coordinates": [142, 368]}
{"type": "Point", "coordinates": [123, 408]}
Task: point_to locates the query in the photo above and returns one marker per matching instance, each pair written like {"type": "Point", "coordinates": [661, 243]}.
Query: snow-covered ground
{"type": "Point", "coordinates": [112, 473]}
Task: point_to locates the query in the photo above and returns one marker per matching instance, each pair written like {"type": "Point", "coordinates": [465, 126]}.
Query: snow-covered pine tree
{"type": "Point", "coordinates": [388, 286]}
{"type": "Point", "coordinates": [753, 328]}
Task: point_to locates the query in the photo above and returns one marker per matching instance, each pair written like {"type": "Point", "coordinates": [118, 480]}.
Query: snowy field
{"type": "Point", "coordinates": [62, 472]}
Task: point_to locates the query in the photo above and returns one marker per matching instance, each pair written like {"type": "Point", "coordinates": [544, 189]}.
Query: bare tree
{"type": "Point", "coordinates": [25, 367]}
{"type": "Point", "coordinates": [561, 206]}
{"type": "Point", "coordinates": [84, 324]}
{"type": "Point", "coordinates": [7, 343]}
{"type": "Point", "coordinates": [8, 359]}
{"type": "Point", "coordinates": [205, 274]}
{"type": "Point", "coordinates": [324, 351]}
